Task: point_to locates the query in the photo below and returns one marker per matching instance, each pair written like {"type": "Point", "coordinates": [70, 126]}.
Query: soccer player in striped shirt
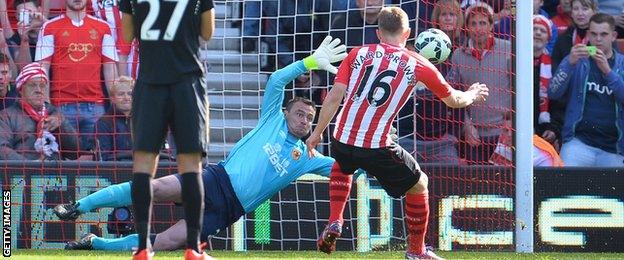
{"type": "Point", "coordinates": [377, 80]}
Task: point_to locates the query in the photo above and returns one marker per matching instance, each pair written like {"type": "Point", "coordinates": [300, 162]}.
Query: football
{"type": "Point", "coordinates": [434, 45]}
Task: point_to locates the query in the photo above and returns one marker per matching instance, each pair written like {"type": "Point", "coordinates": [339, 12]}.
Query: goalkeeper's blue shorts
{"type": "Point", "coordinates": [221, 206]}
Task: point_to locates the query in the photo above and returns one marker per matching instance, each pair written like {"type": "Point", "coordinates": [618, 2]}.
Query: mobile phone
{"type": "Point", "coordinates": [24, 16]}
{"type": "Point", "coordinates": [591, 50]}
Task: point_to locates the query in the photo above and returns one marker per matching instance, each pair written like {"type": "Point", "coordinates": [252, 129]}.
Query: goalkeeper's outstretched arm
{"type": "Point", "coordinates": [328, 52]}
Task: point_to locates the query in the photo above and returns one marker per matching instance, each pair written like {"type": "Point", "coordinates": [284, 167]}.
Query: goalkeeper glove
{"type": "Point", "coordinates": [328, 52]}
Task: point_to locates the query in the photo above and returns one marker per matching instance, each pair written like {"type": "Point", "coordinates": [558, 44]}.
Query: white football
{"type": "Point", "coordinates": [434, 45]}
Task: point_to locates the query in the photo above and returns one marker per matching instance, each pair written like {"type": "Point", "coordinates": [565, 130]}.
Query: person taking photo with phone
{"type": "Point", "coordinates": [591, 79]}
{"type": "Point", "coordinates": [30, 18]}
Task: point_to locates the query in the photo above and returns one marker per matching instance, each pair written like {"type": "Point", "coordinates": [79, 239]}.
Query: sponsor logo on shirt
{"type": "Point", "coordinates": [595, 87]}
{"type": "Point", "coordinates": [79, 51]}
{"type": "Point", "coordinates": [296, 154]}
{"type": "Point", "coordinates": [93, 34]}
{"type": "Point", "coordinates": [279, 164]}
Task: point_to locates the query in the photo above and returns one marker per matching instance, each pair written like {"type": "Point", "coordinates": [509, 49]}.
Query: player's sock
{"type": "Point", "coordinates": [142, 202]}
{"type": "Point", "coordinates": [112, 196]}
{"type": "Point", "coordinates": [339, 189]}
{"type": "Point", "coordinates": [417, 216]}
{"type": "Point", "coordinates": [192, 197]}
{"type": "Point", "coordinates": [115, 244]}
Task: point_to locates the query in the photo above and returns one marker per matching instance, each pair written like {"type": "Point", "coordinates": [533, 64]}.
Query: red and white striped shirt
{"type": "Point", "coordinates": [379, 79]}
{"type": "Point", "coordinates": [108, 10]}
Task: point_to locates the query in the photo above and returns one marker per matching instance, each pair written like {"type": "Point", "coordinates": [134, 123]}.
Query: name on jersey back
{"type": "Point", "coordinates": [392, 57]}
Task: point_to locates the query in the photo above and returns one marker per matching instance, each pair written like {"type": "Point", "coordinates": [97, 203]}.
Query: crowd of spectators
{"type": "Point", "coordinates": [74, 98]}
{"type": "Point", "coordinates": [480, 31]}
{"type": "Point", "coordinates": [89, 72]}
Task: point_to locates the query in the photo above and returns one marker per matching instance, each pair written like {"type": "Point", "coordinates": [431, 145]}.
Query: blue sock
{"type": "Point", "coordinates": [112, 196]}
{"type": "Point", "coordinates": [115, 244]}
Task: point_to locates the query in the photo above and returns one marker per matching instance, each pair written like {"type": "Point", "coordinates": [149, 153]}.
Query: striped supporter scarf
{"type": "Point", "coordinates": [545, 74]}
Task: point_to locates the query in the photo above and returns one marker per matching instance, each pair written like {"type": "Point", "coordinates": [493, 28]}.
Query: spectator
{"type": "Point", "coordinates": [537, 9]}
{"type": "Point", "coordinates": [593, 86]}
{"type": "Point", "coordinates": [436, 138]}
{"type": "Point", "coordinates": [550, 6]}
{"type": "Point", "coordinates": [449, 17]}
{"type": "Point", "coordinates": [563, 18]}
{"type": "Point", "coordinates": [614, 8]}
{"type": "Point", "coordinates": [108, 11]}
{"type": "Point", "coordinates": [32, 129]}
{"type": "Point", "coordinates": [487, 60]}
{"type": "Point", "coordinates": [8, 95]}
{"type": "Point", "coordinates": [582, 10]}
{"type": "Point", "coordinates": [541, 79]}
{"type": "Point", "coordinates": [358, 27]}
{"type": "Point", "coordinates": [30, 19]}
{"type": "Point", "coordinates": [77, 48]}
{"type": "Point", "coordinates": [503, 19]}
{"type": "Point", "coordinates": [113, 128]}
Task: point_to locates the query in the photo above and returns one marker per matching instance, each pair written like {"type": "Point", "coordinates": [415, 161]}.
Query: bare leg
{"type": "Point", "coordinates": [173, 238]}
{"type": "Point", "coordinates": [145, 162]}
{"type": "Point", "coordinates": [189, 162]}
{"type": "Point", "coordinates": [167, 189]}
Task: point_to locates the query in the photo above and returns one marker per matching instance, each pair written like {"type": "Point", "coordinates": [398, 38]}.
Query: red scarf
{"type": "Point", "coordinates": [478, 54]}
{"type": "Point", "coordinates": [38, 117]}
{"type": "Point", "coordinates": [576, 38]}
{"type": "Point", "coordinates": [545, 76]}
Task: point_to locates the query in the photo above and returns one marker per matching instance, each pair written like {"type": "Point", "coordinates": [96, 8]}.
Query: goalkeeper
{"type": "Point", "coordinates": [263, 162]}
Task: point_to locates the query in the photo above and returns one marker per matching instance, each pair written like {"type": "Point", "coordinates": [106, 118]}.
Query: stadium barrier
{"type": "Point", "coordinates": [470, 209]}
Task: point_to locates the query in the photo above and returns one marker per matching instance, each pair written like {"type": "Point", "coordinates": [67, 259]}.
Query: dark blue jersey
{"type": "Point", "coordinates": [168, 33]}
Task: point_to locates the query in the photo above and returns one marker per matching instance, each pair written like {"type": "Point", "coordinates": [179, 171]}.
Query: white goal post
{"type": "Point", "coordinates": [524, 126]}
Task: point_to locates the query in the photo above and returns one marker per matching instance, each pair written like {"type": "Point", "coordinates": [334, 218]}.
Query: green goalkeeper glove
{"type": "Point", "coordinates": [328, 52]}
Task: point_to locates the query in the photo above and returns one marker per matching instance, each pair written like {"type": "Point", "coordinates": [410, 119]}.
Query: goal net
{"type": "Point", "coordinates": [471, 186]}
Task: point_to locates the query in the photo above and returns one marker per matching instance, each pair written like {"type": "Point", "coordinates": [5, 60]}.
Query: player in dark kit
{"type": "Point", "coordinates": [170, 93]}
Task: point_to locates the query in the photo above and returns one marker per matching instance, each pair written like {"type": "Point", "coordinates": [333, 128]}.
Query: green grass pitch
{"type": "Point", "coordinates": [104, 255]}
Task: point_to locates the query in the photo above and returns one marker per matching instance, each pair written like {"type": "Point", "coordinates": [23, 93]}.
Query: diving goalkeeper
{"type": "Point", "coordinates": [263, 162]}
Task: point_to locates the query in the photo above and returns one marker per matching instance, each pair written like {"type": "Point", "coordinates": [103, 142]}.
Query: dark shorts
{"type": "Point", "coordinates": [181, 107]}
{"type": "Point", "coordinates": [395, 169]}
{"type": "Point", "coordinates": [221, 206]}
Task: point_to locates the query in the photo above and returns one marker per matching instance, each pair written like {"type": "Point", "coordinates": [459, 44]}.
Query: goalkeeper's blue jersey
{"type": "Point", "coordinates": [269, 158]}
